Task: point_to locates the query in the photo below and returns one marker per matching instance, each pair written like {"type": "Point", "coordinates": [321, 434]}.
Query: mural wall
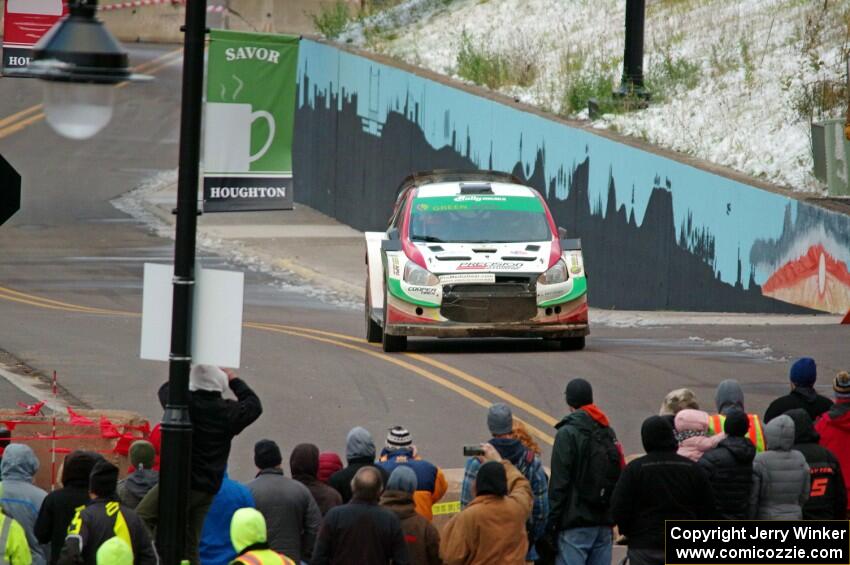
{"type": "Point", "coordinates": [657, 234]}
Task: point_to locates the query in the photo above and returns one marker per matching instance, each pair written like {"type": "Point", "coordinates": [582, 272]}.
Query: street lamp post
{"type": "Point", "coordinates": [632, 81]}
{"type": "Point", "coordinates": [81, 63]}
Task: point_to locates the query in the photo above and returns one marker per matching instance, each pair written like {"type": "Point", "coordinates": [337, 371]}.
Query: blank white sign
{"type": "Point", "coordinates": [35, 7]}
{"type": "Point", "coordinates": [217, 315]}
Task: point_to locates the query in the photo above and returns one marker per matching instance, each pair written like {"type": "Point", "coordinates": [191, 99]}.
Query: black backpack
{"type": "Point", "coordinates": [601, 470]}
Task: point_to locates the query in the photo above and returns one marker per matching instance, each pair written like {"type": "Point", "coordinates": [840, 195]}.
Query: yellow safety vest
{"type": "Point", "coordinates": [755, 434]}
{"type": "Point", "coordinates": [264, 557]}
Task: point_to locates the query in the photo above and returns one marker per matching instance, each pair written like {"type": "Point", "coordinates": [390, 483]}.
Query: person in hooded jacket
{"type": "Point", "coordinates": [583, 527]}
{"type": "Point", "coordinates": [21, 499]}
{"type": "Point", "coordinates": [659, 486]}
{"type": "Point", "coordinates": [781, 480]}
{"type": "Point", "coordinates": [114, 551]}
{"type": "Point", "coordinates": [15, 548]}
{"type": "Point", "coordinates": [834, 427]}
{"type": "Point", "coordinates": [423, 539]}
{"type": "Point", "coordinates": [432, 484]}
{"type": "Point", "coordinates": [216, 548]}
{"type": "Point", "coordinates": [250, 541]}
{"type": "Point", "coordinates": [133, 489]}
{"type": "Point", "coordinates": [304, 465]}
{"type": "Point", "coordinates": [329, 463]}
{"type": "Point", "coordinates": [803, 375]}
{"type": "Point", "coordinates": [691, 430]}
{"type": "Point", "coordinates": [730, 396]}
{"type": "Point", "coordinates": [359, 452]}
{"type": "Point", "coordinates": [215, 422]}
{"type": "Point", "coordinates": [500, 423]}
{"type": "Point", "coordinates": [828, 494]}
{"type": "Point", "coordinates": [103, 519]}
{"type": "Point", "coordinates": [60, 506]}
{"type": "Point", "coordinates": [729, 468]}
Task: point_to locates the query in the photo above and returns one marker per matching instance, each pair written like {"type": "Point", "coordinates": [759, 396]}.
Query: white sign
{"type": "Point", "coordinates": [217, 315]}
{"type": "Point", "coordinates": [35, 7]}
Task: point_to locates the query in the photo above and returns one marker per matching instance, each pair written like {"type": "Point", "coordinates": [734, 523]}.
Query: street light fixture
{"type": "Point", "coordinates": [81, 57]}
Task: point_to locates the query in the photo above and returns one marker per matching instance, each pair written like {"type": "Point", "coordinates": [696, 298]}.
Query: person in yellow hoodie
{"type": "Point", "coordinates": [16, 549]}
{"type": "Point", "coordinates": [248, 534]}
{"type": "Point", "coordinates": [114, 551]}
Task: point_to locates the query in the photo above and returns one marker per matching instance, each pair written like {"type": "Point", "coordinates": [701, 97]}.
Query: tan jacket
{"type": "Point", "coordinates": [492, 528]}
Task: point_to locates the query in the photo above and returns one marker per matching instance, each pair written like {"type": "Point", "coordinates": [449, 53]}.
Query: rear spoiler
{"type": "Point", "coordinates": [572, 244]}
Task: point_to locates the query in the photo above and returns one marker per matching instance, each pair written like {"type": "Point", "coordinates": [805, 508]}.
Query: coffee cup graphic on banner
{"type": "Point", "coordinates": [227, 137]}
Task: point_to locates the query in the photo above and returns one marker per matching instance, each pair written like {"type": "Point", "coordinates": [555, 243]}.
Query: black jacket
{"type": "Point", "coordinates": [729, 468]}
{"type": "Point", "coordinates": [656, 487]}
{"type": "Point", "coordinates": [805, 398]}
{"type": "Point", "coordinates": [341, 480]}
{"type": "Point", "coordinates": [363, 533]}
{"type": "Point", "coordinates": [215, 421]}
{"type": "Point", "coordinates": [572, 444]}
{"type": "Point", "coordinates": [828, 494]}
{"type": "Point", "coordinates": [97, 523]}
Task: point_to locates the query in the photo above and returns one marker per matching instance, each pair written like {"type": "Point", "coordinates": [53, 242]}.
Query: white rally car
{"type": "Point", "coordinates": [474, 254]}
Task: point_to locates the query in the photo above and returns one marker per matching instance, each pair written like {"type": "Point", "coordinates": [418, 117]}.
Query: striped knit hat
{"type": "Point", "coordinates": [841, 386]}
{"type": "Point", "coordinates": [398, 438]}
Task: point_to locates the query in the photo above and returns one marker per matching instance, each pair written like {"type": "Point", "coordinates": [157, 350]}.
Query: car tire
{"type": "Point", "coordinates": [391, 343]}
{"type": "Point", "coordinates": [573, 343]}
{"type": "Point", "coordinates": [374, 331]}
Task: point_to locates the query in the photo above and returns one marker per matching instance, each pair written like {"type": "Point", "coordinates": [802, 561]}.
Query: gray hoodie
{"type": "Point", "coordinates": [780, 475]}
{"type": "Point", "coordinates": [728, 396]}
{"type": "Point", "coordinates": [359, 444]}
{"type": "Point", "coordinates": [21, 499]}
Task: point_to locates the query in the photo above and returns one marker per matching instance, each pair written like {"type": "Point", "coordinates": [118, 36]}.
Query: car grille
{"type": "Point", "coordinates": [489, 303]}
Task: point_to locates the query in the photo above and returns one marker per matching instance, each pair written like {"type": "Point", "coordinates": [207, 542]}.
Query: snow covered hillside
{"type": "Point", "coordinates": [733, 82]}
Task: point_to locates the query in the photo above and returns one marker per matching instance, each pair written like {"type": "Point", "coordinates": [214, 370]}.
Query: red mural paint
{"type": "Point", "coordinates": [816, 280]}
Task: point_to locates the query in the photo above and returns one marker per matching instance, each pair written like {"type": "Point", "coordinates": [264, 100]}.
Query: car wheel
{"type": "Point", "coordinates": [374, 331]}
{"type": "Point", "coordinates": [573, 343]}
{"type": "Point", "coordinates": [391, 343]}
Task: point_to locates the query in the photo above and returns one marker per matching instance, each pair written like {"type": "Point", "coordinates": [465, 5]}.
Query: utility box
{"type": "Point", "coordinates": [831, 152]}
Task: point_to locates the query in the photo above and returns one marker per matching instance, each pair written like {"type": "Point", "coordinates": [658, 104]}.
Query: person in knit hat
{"type": "Point", "coordinates": [103, 519]}
{"type": "Point", "coordinates": [729, 397]}
{"type": "Point", "coordinates": [400, 451]}
{"type": "Point", "coordinates": [803, 375]}
{"type": "Point", "coordinates": [423, 540]}
{"type": "Point", "coordinates": [500, 422]}
{"type": "Point", "coordinates": [677, 400]}
{"type": "Point", "coordinates": [138, 483]}
{"type": "Point", "coordinates": [729, 468]}
{"type": "Point", "coordinates": [834, 427]}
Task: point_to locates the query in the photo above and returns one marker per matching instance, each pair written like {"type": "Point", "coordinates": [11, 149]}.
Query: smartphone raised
{"type": "Point", "coordinates": [472, 450]}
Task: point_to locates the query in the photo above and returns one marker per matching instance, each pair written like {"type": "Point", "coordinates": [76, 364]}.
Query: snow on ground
{"type": "Point", "coordinates": [730, 78]}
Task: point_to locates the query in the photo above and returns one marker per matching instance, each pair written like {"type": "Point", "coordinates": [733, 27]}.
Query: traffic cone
{"type": "Point", "coordinates": [846, 319]}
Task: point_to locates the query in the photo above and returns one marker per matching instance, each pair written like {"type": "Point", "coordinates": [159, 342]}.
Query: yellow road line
{"type": "Point", "coordinates": [9, 119]}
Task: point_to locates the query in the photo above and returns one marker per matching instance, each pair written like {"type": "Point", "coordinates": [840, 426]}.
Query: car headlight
{"type": "Point", "coordinates": [416, 275]}
{"type": "Point", "coordinates": [556, 274]}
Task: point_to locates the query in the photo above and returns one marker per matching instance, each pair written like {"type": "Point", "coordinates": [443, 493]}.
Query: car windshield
{"type": "Point", "coordinates": [480, 218]}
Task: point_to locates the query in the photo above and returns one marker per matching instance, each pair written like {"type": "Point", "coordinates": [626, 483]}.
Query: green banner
{"type": "Point", "coordinates": [248, 121]}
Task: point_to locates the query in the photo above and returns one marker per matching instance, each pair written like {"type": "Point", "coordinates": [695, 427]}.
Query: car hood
{"type": "Point", "coordinates": [459, 258]}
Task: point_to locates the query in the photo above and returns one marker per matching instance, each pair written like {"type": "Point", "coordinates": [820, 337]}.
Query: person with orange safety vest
{"type": "Point", "coordinates": [729, 396]}
{"type": "Point", "coordinates": [248, 534]}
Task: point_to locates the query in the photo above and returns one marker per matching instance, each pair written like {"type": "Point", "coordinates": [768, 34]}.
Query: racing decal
{"type": "Point", "coordinates": [404, 292]}
{"type": "Point", "coordinates": [461, 202]}
{"type": "Point", "coordinates": [395, 266]}
{"type": "Point", "coordinates": [575, 263]}
{"type": "Point", "coordinates": [423, 290]}
{"type": "Point", "coordinates": [469, 278]}
{"type": "Point", "coordinates": [579, 288]}
{"type": "Point", "coordinates": [480, 266]}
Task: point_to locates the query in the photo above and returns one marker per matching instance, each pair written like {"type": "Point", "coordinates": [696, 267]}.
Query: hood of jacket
{"type": "Point", "coordinates": [729, 394]}
{"type": "Point", "coordinates": [741, 448]}
{"type": "Point", "coordinates": [77, 468]}
{"type": "Point", "coordinates": [779, 433]}
{"type": "Point", "coordinates": [804, 427]}
{"type": "Point", "coordinates": [399, 502]}
{"type": "Point", "coordinates": [304, 461]}
{"type": "Point", "coordinates": [359, 444]}
{"type": "Point", "coordinates": [19, 463]}
{"type": "Point", "coordinates": [247, 528]}
{"type": "Point", "coordinates": [839, 416]}
{"type": "Point", "coordinates": [115, 551]}
{"type": "Point", "coordinates": [584, 417]}
{"type": "Point", "coordinates": [509, 448]}
{"type": "Point", "coordinates": [656, 433]}
{"type": "Point", "coordinates": [690, 420]}
{"type": "Point", "coordinates": [141, 481]}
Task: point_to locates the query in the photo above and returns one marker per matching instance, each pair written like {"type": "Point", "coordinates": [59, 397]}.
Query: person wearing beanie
{"type": "Point", "coordinates": [133, 489]}
{"type": "Point", "coordinates": [248, 537]}
{"type": "Point", "coordinates": [304, 466]}
{"type": "Point", "coordinates": [215, 422]}
{"type": "Point", "coordinates": [834, 427]}
{"type": "Point", "coordinates": [21, 499]}
{"type": "Point", "coordinates": [500, 423]}
{"type": "Point", "coordinates": [329, 463]}
{"type": "Point", "coordinates": [803, 374]}
{"type": "Point", "coordinates": [677, 400]}
{"type": "Point", "coordinates": [292, 515]}
{"type": "Point", "coordinates": [828, 495]}
{"type": "Point", "coordinates": [491, 529]}
{"type": "Point", "coordinates": [781, 476]}
{"type": "Point", "coordinates": [728, 397]}
{"type": "Point", "coordinates": [423, 540]}
{"type": "Point", "coordinates": [658, 486]}
{"type": "Point", "coordinates": [400, 451]}
{"type": "Point", "coordinates": [586, 458]}
{"type": "Point", "coordinates": [103, 519]}
{"type": "Point", "coordinates": [59, 506]}
{"type": "Point", "coordinates": [215, 547]}
{"type": "Point", "coordinates": [729, 468]}
{"type": "Point", "coordinates": [359, 452]}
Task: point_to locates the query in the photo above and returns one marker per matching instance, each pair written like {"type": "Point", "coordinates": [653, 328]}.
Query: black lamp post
{"type": "Point", "coordinates": [632, 81]}
{"type": "Point", "coordinates": [81, 63]}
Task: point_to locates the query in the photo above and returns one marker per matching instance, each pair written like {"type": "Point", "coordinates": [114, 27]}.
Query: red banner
{"type": "Point", "coordinates": [24, 23]}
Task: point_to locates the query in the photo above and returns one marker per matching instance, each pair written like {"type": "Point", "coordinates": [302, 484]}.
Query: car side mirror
{"type": "Point", "coordinates": [562, 233]}
{"type": "Point", "coordinates": [392, 233]}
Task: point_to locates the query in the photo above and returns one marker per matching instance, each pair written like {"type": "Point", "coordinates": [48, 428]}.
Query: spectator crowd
{"type": "Point", "coordinates": [377, 508]}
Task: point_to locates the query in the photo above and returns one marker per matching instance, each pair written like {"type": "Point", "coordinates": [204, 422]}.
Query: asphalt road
{"type": "Point", "coordinates": [70, 291]}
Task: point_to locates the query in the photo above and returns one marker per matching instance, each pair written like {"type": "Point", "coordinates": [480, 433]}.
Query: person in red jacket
{"type": "Point", "coordinates": [834, 427]}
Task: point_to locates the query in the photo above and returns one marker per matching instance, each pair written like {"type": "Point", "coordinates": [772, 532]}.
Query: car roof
{"type": "Point", "coordinates": [454, 188]}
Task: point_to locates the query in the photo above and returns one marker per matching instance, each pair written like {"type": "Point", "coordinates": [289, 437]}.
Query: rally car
{"type": "Point", "coordinates": [473, 254]}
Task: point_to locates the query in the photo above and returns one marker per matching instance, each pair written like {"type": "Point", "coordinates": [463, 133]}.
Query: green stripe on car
{"type": "Point", "coordinates": [579, 288]}
{"type": "Point", "coordinates": [397, 291]}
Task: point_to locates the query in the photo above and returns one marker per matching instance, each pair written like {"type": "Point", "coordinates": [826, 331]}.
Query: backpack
{"type": "Point", "coordinates": [601, 470]}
